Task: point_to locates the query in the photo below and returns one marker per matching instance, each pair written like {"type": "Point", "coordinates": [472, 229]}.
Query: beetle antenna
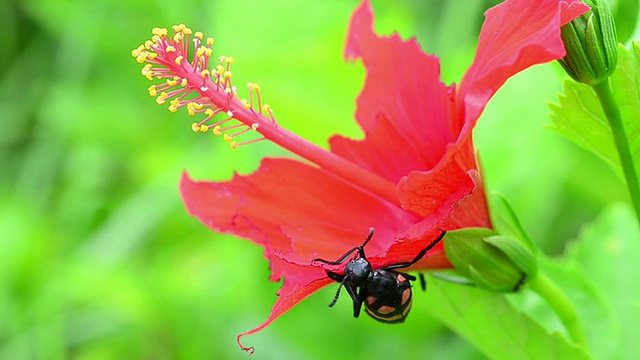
{"type": "Point", "coordinates": [335, 298]}
{"type": "Point", "coordinates": [366, 241]}
{"type": "Point", "coordinates": [371, 230]}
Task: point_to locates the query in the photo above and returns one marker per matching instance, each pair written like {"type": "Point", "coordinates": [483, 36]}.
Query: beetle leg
{"type": "Point", "coordinates": [340, 260]}
{"type": "Point", "coordinates": [335, 276]}
{"type": "Point", "coordinates": [423, 282]}
{"type": "Point", "coordinates": [420, 255]}
{"type": "Point", "coordinates": [357, 299]}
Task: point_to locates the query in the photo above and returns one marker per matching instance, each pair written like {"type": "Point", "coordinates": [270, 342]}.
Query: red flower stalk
{"type": "Point", "coordinates": [414, 173]}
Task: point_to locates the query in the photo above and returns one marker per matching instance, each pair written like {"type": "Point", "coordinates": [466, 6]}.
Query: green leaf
{"type": "Point", "coordinates": [579, 115]}
{"type": "Point", "coordinates": [595, 311]}
{"type": "Point", "coordinates": [608, 253]}
{"type": "Point", "coordinates": [494, 326]}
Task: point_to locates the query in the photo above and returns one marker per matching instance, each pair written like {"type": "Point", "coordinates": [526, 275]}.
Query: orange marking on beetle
{"type": "Point", "coordinates": [386, 309]}
{"type": "Point", "coordinates": [406, 295]}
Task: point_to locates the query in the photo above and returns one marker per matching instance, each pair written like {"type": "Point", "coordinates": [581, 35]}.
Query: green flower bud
{"type": "Point", "coordinates": [490, 261]}
{"type": "Point", "coordinates": [592, 44]}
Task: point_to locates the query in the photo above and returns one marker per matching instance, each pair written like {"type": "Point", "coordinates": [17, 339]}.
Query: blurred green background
{"type": "Point", "coordinates": [99, 260]}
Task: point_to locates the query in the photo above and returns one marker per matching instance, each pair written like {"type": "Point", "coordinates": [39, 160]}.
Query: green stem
{"type": "Point", "coordinates": [549, 291]}
{"type": "Point", "coordinates": [611, 110]}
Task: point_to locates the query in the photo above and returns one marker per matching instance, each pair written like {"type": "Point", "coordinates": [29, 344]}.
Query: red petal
{"type": "Point", "coordinates": [404, 109]}
{"type": "Point", "coordinates": [283, 195]}
{"type": "Point", "coordinates": [291, 293]}
{"type": "Point", "coordinates": [515, 35]}
{"type": "Point", "coordinates": [414, 240]}
{"type": "Point", "coordinates": [471, 211]}
{"type": "Point", "coordinates": [297, 213]}
{"type": "Point", "coordinates": [434, 192]}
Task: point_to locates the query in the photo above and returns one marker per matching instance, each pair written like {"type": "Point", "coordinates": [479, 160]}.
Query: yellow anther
{"type": "Point", "coordinates": [266, 108]}
{"type": "Point", "coordinates": [162, 98]}
{"type": "Point", "coordinates": [193, 107]}
{"type": "Point", "coordinates": [170, 48]}
{"type": "Point", "coordinates": [204, 51]}
{"type": "Point", "coordinates": [254, 86]}
{"type": "Point", "coordinates": [245, 103]}
{"type": "Point", "coordinates": [142, 57]}
{"type": "Point", "coordinates": [210, 41]}
{"type": "Point", "coordinates": [255, 126]}
{"type": "Point", "coordinates": [135, 52]}
{"type": "Point", "coordinates": [148, 44]}
{"type": "Point", "coordinates": [195, 127]}
{"type": "Point", "coordinates": [178, 37]}
{"type": "Point", "coordinates": [204, 73]}
{"type": "Point", "coordinates": [204, 128]}
{"type": "Point", "coordinates": [178, 27]}
{"type": "Point", "coordinates": [147, 72]}
{"type": "Point", "coordinates": [222, 58]}
{"type": "Point", "coordinates": [179, 59]}
{"type": "Point", "coordinates": [160, 31]}
{"type": "Point", "coordinates": [175, 104]}
{"type": "Point", "coordinates": [184, 82]}
{"type": "Point", "coordinates": [227, 74]}
{"type": "Point", "coordinates": [199, 35]}
{"type": "Point", "coordinates": [219, 69]}
{"type": "Point", "coordinates": [209, 112]}
{"type": "Point", "coordinates": [216, 130]}
{"type": "Point", "coordinates": [172, 82]}
{"type": "Point", "coordinates": [233, 145]}
{"type": "Point", "coordinates": [227, 138]}
{"type": "Point", "coordinates": [190, 109]}
{"type": "Point", "coordinates": [229, 59]}
{"type": "Point", "coordinates": [187, 30]}
{"type": "Point", "coordinates": [152, 90]}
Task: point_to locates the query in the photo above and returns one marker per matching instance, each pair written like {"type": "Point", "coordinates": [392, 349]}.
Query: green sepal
{"type": "Point", "coordinates": [505, 222]}
{"type": "Point", "coordinates": [493, 262]}
{"type": "Point", "coordinates": [525, 260]}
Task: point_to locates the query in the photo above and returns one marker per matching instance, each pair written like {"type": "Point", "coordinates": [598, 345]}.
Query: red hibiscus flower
{"type": "Point", "coordinates": [414, 173]}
